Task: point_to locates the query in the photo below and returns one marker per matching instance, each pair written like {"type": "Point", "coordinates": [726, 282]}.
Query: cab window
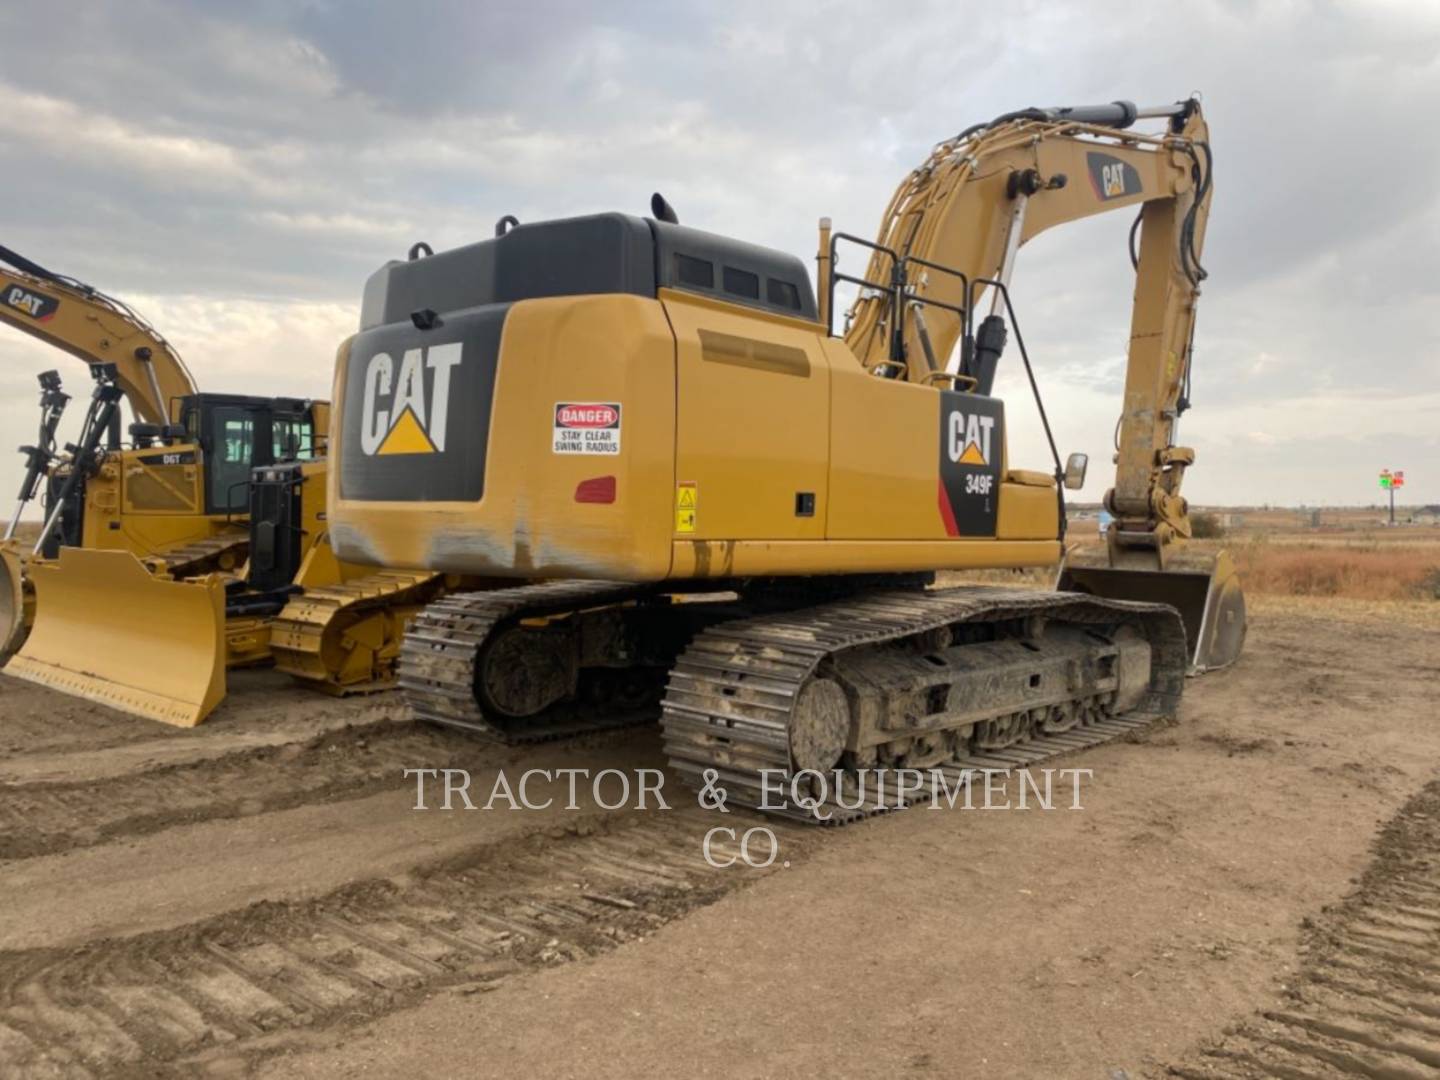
{"type": "Point", "coordinates": [292, 439]}
{"type": "Point", "coordinates": [231, 453]}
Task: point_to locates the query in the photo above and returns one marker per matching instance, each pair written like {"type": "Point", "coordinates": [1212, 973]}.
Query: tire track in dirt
{"type": "Point", "coordinates": [51, 817]}
{"type": "Point", "coordinates": [48, 818]}
{"type": "Point", "coordinates": [38, 720]}
{"type": "Point", "coordinates": [226, 991]}
{"type": "Point", "coordinates": [1367, 1000]}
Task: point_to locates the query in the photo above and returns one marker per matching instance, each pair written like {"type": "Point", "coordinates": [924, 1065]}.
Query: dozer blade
{"type": "Point", "coordinates": [17, 605]}
{"type": "Point", "coordinates": [1204, 588]}
{"type": "Point", "coordinates": [107, 630]}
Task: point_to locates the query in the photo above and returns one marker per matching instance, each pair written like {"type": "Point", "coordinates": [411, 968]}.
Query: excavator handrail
{"type": "Point", "coordinates": [895, 291]}
{"type": "Point", "coordinates": [864, 283]}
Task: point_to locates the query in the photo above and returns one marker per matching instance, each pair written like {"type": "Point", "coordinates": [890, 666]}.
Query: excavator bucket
{"type": "Point", "coordinates": [108, 630]}
{"type": "Point", "coordinates": [16, 602]}
{"type": "Point", "coordinates": [1202, 587]}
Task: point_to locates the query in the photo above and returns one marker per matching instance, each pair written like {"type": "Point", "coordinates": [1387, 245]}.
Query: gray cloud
{"type": "Point", "coordinates": [222, 161]}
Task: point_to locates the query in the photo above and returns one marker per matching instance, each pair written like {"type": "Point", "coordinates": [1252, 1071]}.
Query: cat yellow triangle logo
{"type": "Point", "coordinates": [971, 456]}
{"type": "Point", "coordinates": [407, 437]}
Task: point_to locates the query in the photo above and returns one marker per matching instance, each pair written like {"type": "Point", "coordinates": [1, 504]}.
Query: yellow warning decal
{"type": "Point", "coordinates": [407, 437]}
{"type": "Point", "coordinates": [687, 496]}
{"type": "Point", "coordinates": [685, 521]}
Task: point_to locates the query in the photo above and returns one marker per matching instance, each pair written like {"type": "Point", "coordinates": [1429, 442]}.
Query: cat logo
{"type": "Point", "coordinates": [39, 307]}
{"type": "Point", "coordinates": [399, 416]}
{"type": "Point", "coordinates": [969, 438]}
{"type": "Point", "coordinates": [1112, 178]}
{"type": "Point", "coordinates": [972, 446]}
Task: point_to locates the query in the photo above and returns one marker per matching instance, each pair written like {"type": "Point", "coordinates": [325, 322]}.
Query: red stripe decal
{"type": "Point", "coordinates": [947, 513]}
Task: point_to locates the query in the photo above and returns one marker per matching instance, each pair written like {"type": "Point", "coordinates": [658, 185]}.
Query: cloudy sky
{"type": "Point", "coordinates": [236, 171]}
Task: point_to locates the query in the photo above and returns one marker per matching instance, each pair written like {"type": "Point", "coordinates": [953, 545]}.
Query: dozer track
{"type": "Point", "coordinates": [213, 553]}
{"type": "Point", "coordinates": [341, 637]}
{"type": "Point", "coordinates": [450, 643]}
{"type": "Point", "coordinates": [934, 687]}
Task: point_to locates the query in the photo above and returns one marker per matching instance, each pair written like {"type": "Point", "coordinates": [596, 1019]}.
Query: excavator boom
{"type": "Point", "coordinates": [97, 329]}
{"type": "Point", "coordinates": [948, 243]}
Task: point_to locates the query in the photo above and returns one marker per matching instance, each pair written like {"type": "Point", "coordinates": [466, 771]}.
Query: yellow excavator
{"type": "Point", "coordinates": [198, 547]}
{"type": "Point", "coordinates": [708, 495]}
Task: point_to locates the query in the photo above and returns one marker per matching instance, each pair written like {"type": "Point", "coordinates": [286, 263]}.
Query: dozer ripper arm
{"type": "Point", "coordinates": [98, 329]}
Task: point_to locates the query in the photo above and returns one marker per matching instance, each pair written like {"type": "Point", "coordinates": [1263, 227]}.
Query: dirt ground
{"type": "Point", "coordinates": [1252, 891]}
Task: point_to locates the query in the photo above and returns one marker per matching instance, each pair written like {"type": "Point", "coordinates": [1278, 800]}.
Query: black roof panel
{"type": "Point", "coordinates": [598, 253]}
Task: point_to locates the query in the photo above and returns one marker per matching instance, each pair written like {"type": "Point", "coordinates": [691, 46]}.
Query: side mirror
{"type": "Point", "coordinates": [1075, 466]}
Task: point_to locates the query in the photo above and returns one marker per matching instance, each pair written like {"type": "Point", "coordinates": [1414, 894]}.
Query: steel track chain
{"type": "Point", "coordinates": [443, 645]}
{"type": "Point", "coordinates": [298, 635]}
{"type": "Point", "coordinates": [202, 556]}
{"type": "Point", "coordinates": [730, 695]}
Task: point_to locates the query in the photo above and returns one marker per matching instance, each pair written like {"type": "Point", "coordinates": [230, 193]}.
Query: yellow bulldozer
{"type": "Point", "coordinates": [175, 494]}
{"type": "Point", "coordinates": [706, 494]}
{"type": "Point", "coordinates": [198, 547]}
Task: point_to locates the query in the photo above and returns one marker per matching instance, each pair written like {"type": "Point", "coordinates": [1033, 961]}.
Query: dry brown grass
{"type": "Point", "coordinates": [1387, 566]}
{"type": "Point", "coordinates": [1361, 569]}
{"type": "Point", "coordinates": [1421, 614]}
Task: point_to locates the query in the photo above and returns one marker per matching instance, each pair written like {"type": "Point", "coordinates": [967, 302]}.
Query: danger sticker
{"type": "Point", "coordinates": [587, 427]}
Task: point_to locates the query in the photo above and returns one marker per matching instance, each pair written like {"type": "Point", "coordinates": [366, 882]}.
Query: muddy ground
{"type": "Point", "coordinates": [1253, 891]}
